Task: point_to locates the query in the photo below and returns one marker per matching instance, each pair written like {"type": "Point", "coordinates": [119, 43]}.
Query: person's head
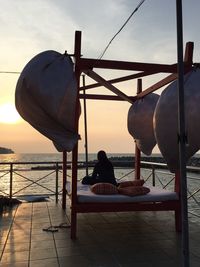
{"type": "Point", "coordinates": [101, 155]}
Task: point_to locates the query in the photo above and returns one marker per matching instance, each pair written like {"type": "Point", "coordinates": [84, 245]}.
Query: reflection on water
{"type": "Point", "coordinates": [30, 157]}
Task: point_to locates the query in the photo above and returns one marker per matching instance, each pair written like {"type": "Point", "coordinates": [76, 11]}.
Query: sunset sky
{"type": "Point", "coordinates": [32, 26]}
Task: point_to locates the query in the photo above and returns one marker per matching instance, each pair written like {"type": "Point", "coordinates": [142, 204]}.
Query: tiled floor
{"type": "Point", "coordinates": [115, 239]}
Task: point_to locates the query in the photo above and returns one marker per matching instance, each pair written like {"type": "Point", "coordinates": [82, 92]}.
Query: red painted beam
{"type": "Point", "coordinates": [121, 79]}
{"type": "Point", "coordinates": [119, 206]}
{"type": "Point", "coordinates": [137, 150]}
{"type": "Point", "coordinates": [105, 97]}
{"type": "Point", "coordinates": [157, 85]}
{"type": "Point", "coordinates": [108, 85]}
{"type": "Point", "coordinates": [88, 63]}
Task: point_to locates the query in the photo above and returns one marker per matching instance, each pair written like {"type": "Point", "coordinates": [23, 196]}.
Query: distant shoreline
{"type": "Point", "coordinates": [119, 159]}
{"type": "Point", "coordinates": [4, 150]}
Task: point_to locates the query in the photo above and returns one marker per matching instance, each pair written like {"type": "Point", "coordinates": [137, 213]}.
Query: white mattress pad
{"type": "Point", "coordinates": [85, 195]}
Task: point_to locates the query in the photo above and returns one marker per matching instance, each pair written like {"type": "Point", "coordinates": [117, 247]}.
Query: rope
{"type": "Point", "coordinates": [54, 228]}
{"type": "Point", "coordinates": [10, 72]}
{"type": "Point", "coordinates": [134, 11]}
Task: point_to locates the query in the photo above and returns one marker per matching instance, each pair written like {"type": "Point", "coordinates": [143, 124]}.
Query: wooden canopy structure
{"type": "Point", "coordinates": [87, 66]}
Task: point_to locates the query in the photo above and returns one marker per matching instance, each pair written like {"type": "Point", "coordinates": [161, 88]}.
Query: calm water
{"type": "Point", "coordinates": [27, 181]}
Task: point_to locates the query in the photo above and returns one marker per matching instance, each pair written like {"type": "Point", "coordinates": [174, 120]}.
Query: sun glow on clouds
{"type": "Point", "coordinates": [8, 114]}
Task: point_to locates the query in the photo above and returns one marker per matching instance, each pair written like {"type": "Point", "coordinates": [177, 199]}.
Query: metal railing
{"type": "Point", "coordinates": [161, 177]}
{"type": "Point", "coordinates": [16, 178]}
{"type": "Point", "coordinates": [9, 171]}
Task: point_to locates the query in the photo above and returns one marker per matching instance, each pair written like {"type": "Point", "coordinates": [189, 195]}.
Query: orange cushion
{"type": "Point", "coordinates": [134, 190]}
{"type": "Point", "coordinates": [104, 189]}
{"type": "Point", "coordinates": [131, 183]}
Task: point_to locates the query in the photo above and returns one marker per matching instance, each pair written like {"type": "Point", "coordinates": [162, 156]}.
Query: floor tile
{"type": "Point", "coordinates": [74, 261]}
{"type": "Point", "coordinates": [17, 247]}
{"type": "Point", "coordinates": [15, 264]}
{"type": "Point", "coordinates": [45, 263]}
{"type": "Point", "coordinates": [68, 251]}
{"type": "Point", "coordinates": [37, 254]}
{"type": "Point", "coordinates": [10, 257]}
{"type": "Point", "coordinates": [41, 237]}
{"type": "Point", "coordinates": [42, 244]}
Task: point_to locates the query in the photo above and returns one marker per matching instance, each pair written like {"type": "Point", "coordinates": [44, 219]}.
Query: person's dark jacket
{"type": "Point", "coordinates": [104, 172]}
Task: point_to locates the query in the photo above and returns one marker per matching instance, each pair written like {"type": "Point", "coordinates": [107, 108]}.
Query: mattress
{"type": "Point", "coordinates": [85, 195]}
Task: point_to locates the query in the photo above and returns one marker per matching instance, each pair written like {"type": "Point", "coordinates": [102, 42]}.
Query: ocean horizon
{"type": "Point", "coordinates": [33, 157]}
{"type": "Point", "coordinates": [55, 157]}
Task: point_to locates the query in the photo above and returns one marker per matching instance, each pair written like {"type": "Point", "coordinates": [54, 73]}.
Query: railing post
{"type": "Point", "coordinates": [11, 179]}
{"type": "Point", "coordinates": [64, 193]}
{"type": "Point", "coordinates": [57, 182]}
{"type": "Point", "coordinates": [153, 176]}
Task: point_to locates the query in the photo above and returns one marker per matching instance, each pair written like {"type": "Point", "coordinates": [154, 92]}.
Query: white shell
{"type": "Point", "coordinates": [140, 122]}
{"type": "Point", "coordinates": [45, 96]}
{"type": "Point", "coordinates": [166, 119]}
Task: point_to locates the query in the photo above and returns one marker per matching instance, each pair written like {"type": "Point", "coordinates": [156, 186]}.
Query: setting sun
{"type": "Point", "coordinates": [8, 114]}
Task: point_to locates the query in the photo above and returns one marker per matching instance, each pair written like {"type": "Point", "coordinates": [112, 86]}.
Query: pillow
{"type": "Point", "coordinates": [138, 182]}
{"type": "Point", "coordinates": [134, 190]}
{"type": "Point", "coordinates": [104, 189]}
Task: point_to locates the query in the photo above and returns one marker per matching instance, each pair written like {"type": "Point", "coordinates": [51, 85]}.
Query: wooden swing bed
{"type": "Point", "coordinates": [86, 66]}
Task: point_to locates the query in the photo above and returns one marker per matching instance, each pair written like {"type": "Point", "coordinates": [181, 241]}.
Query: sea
{"type": "Point", "coordinates": [26, 179]}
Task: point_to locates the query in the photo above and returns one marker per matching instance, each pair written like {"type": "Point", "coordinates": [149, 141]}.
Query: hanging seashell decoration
{"type": "Point", "coordinates": [166, 119]}
{"type": "Point", "coordinates": [140, 122]}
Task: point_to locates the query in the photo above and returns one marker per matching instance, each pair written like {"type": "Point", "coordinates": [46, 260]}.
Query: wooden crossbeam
{"type": "Point", "coordinates": [105, 97]}
{"type": "Point", "coordinates": [106, 84]}
{"type": "Point", "coordinates": [147, 91]}
{"type": "Point", "coordinates": [187, 60]}
{"type": "Point", "coordinates": [88, 63]}
{"type": "Point", "coordinates": [121, 79]}
{"type": "Point", "coordinates": [157, 85]}
{"type": "Point", "coordinates": [163, 82]}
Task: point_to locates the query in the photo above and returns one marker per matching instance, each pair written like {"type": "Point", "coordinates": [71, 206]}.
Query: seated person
{"type": "Point", "coordinates": [103, 171]}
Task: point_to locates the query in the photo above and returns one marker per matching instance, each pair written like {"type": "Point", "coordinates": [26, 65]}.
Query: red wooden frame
{"type": "Point", "coordinates": [87, 65]}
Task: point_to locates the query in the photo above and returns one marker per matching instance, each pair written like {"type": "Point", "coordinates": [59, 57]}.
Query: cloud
{"type": "Point", "coordinates": [29, 28]}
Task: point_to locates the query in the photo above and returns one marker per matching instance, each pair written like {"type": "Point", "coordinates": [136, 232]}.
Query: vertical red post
{"type": "Point", "coordinates": [11, 180]}
{"type": "Point", "coordinates": [177, 182]}
{"type": "Point", "coordinates": [188, 56]}
{"type": "Point", "coordinates": [77, 55]}
{"type": "Point", "coordinates": [85, 126]}
{"type": "Point", "coordinates": [64, 168]}
{"type": "Point", "coordinates": [137, 150]}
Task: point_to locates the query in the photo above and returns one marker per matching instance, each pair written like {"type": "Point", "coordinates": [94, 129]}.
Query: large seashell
{"type": "Point", "coordinates": [140, 122]}
{"type": "Point", "coordinates": [46, 95]}
{"type": "Point", "coordinates": [166, 119]}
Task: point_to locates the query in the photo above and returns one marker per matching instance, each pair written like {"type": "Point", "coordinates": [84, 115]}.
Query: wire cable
{"type": "Point", "coordinates": [10, 72]}
{"type": "Point", "coordinates": [134, 11]}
